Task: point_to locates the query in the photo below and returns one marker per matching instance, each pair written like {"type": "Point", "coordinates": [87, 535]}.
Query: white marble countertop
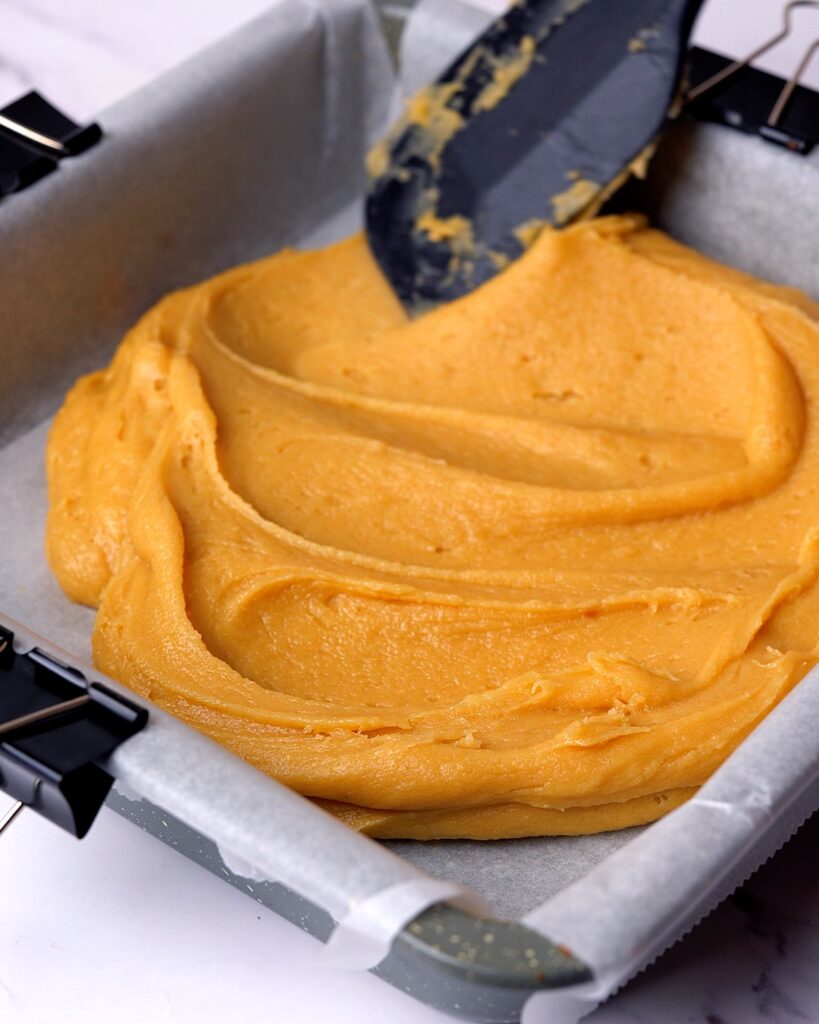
{"type": "Point", "coordinates": [121, 929]}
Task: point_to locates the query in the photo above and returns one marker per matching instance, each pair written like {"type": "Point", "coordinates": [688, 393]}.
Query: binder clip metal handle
{"type": "Point", "coordinates": [762, 101]}
{"type": "Point", "coordinates": [56, 729]}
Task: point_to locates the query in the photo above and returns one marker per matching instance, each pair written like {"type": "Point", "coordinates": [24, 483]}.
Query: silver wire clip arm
{"type": "Point", "coordinates": [35, 137]}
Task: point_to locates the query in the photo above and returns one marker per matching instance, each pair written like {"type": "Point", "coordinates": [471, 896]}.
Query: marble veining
{"type": "Point", "coordinates": [755, 960]}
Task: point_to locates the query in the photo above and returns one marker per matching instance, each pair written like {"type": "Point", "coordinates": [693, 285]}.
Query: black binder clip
{"type": "Point", "coordinates": [55, 729]}
{"type": "Point", "coordinates": [34, 136]}
{"type": "Point", "coordinates": [735, 94]}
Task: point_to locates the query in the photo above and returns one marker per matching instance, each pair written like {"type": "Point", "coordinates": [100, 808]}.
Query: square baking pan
{"type": "Point", "coordinates": [256, 144]}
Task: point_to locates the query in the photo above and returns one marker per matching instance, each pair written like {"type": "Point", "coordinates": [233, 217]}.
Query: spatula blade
{"type": "Point", "coordinates": [534, 124]}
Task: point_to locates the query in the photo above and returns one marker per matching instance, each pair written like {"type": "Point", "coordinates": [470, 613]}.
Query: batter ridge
{"type": "Point", "coordinates": [532, 563]}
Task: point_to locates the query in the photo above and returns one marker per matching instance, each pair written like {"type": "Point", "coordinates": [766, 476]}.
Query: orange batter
{"type": "Point", "coordinates": [535, 562]}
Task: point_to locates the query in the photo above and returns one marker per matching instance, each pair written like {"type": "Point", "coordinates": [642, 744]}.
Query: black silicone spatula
{"type": "Point", "coordinates": [536, 123]}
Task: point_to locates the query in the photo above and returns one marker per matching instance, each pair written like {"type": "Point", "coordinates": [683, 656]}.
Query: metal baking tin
{"type": "Point", "coordinates": [209, 166]}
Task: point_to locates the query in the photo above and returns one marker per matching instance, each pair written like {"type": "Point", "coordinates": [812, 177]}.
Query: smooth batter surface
{"type": "Point", "coordinates": [533, 563]}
